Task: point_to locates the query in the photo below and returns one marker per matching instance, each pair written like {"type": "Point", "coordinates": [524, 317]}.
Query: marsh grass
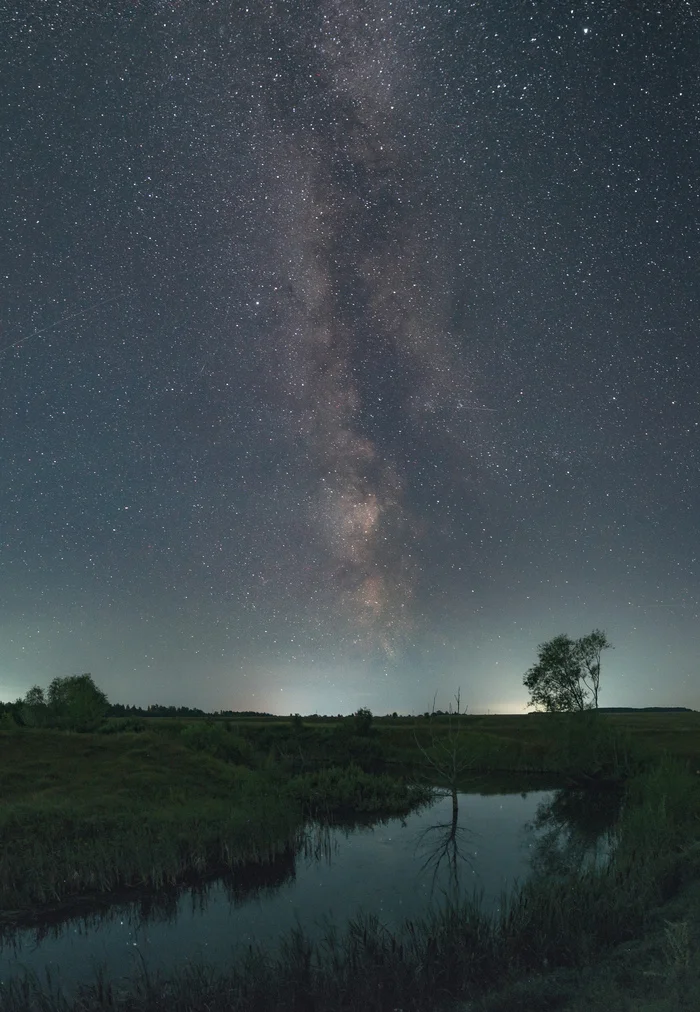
{"type": "Point", "coordinates": [574, 746]}
{"type": "Point", "coordinates": [55, 853]}
{"type": "Point", "coordinates": [342, 791]}
{"type": "Point", "coordinates": [90, 813]}
{"type": "Point", "coordinates": [551, 742]}
{"type": "Point", "coordinates": [458, 953]}
{"type": "Point", "coordinates": [94, 813]}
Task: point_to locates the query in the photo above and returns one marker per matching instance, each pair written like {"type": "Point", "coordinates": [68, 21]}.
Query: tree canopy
{"type": "Point", "coordinates": [566, 676]}
{"type": "Point", "coordinates": [73, 702]}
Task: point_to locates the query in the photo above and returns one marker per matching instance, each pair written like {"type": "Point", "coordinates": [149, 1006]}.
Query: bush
{"type": "Point", "coordinates": [363, 722]}
{"type": "Point", "coordinates": [217, 741]}
{"type": "Point", "coordinates": [336, 791]}
{"type": "Point", "coordinates": [118, 725]}
{"type": "Point", "coordinates": [8, 722]}
{"type": "Point", "coordinates": [585, 743]}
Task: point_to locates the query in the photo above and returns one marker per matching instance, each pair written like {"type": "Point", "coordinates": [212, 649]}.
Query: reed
{"type": "Point", "coordinates": [342, 791]}
{"type": "Point", "coordinates": [91, 814]}
{"type": "Point", "coordinates": [97, 813]}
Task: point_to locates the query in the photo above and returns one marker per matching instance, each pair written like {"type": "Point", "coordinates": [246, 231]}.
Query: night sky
{"type": "Point", "coordinates": [349, 349]}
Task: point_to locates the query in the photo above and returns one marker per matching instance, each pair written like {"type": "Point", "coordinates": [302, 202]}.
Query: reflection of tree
{"type": "Point", "coordinates": [443, 844]}
{"type": "Point", "coordinates": [578, 830]}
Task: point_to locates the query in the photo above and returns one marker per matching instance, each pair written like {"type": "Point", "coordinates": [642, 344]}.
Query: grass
{"type": "Point", "coordinates": [82, 814]}
{"type": "Point", "coordinates": [344, 791]}
{"type": "Point", "coordinates": [94, 813]}
{"type": "Point", "coordinates": [91, 814]}
{"type": "Point", "coordinates": [541, 950]}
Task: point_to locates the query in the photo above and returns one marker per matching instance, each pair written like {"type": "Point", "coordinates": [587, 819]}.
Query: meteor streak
{"type": "Point", "coordinates": [61, 320]}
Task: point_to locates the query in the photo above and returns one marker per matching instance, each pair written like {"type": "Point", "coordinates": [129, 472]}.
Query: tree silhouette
{"type": "Point", "coordinates": [567, 673]}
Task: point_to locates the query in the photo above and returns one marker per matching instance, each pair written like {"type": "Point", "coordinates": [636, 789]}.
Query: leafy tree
{"type": "Point", "coordinates": [35, 696]}
{"type": "Point", "coordinates": [559, 682]}
{"type": "Point", "coordinates": [34, 711]}
{"type": "Point", "coordinates": [76, 703]}
{"type": "Point", "coordinates": [589, 650]}
{"type": "Point", "coordinates": [362, 721]}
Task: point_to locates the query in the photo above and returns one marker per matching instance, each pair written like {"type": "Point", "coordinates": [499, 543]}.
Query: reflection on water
{"type": "Point", "coordinates": [576, 830]}
{"type": "Point", "coordinates": [445, 845]}
{"type": "Point", "coordinates": [396, 869]}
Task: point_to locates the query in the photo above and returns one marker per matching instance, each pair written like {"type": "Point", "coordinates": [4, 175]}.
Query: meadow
{"type": "Point", "coordinates": [94, 812]}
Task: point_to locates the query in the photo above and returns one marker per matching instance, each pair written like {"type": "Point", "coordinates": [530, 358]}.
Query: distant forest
{"type": "Point", "coordinates": [194, 713]}
{"type": "Point", "coordinates": [155, 710]}
{"type": "Point", "coordinates": [641, 709]}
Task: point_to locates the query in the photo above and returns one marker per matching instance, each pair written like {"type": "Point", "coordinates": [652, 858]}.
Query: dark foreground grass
{"type": "Point", "coordinates": [460, 955]}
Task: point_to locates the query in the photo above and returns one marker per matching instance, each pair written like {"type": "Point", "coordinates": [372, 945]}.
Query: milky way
{"type": "Point", "coordinates": [348, 350]}
{"type": "Point", "coordinates": [364, 336]}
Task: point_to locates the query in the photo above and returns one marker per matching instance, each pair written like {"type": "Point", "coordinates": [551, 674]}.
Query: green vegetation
{"type": "Point", "coordinates": [74, 703]}
{"type": "Point", "coordinates": [93, 813]}
{"type": "Point", "coordinates": [558, 925]}
{"type": "Point", "coordinates": [136, 801]}
{"type": "Point", "coordinates": [567, 673]}
{"type": "Point", "coordinates": [96, 812]}
{"type": "Point", "coordinates": [343, 791]}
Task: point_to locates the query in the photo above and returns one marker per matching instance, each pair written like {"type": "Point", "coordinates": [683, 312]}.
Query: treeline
{"type": "Point", "coordinates": [74, 704]}
{"type": "Point", "coordinates": [646, 709]}
{"type": "Point", "coordinates": [157, 710]}
{"type": "Point", "coordinates": [631, 709]}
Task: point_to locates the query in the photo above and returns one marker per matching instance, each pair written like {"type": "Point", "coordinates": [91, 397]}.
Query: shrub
{"type": "Point", "coordinates": [118, 725]}
{"type": "Point", "coordinates": [363, 722]}
{"type": "Point", "coordinates": [8, 722]}
{"type": "Point", "coordinates": [217, 741]}
{"type": "Point", "coordinates": [338, 790]}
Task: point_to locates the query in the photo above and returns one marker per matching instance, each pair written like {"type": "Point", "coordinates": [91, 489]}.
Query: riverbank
{"type": "Point", "coordinates": [549, 930]}
{"type": "Point", "coordinates": [88, 814]}
{"type": "Point", "coordinates": [658, 971]}
{"type": "Point", "coordinates": [93, 813]}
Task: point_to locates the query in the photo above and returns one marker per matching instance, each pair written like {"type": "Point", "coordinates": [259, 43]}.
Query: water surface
{"type": "Point", "coordinates": [395, 868]}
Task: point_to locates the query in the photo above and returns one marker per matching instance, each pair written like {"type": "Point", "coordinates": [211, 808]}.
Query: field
{"type": "Point", "coordinates": [677, 732]}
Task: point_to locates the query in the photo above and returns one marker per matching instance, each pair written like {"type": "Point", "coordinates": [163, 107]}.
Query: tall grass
{"type": "Point", "coordinates": [50, 854]}
{"type": "Point", "coordinates": [585, 745]}
{"type": "Point", "coordinates": [98, 813]}
{"type": "Point", "coordinates": [341, 791]}
{"type": "Point", "coordinates": [458, 952]}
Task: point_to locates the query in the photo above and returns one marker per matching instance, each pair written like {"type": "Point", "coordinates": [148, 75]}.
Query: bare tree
{"type": "Point", "coordinates": [589, 650]}
{"type": "Point", "coordinates": [448, 761]}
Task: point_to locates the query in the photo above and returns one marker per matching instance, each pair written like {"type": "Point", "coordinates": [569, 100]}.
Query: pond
{"type": "Point", "coordinates": [394, 868]}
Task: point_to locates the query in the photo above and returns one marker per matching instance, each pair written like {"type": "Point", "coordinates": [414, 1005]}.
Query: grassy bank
{"type": "Point", "coordinates": [89, 813]}
{"type": "Point", "coordinates": [549, 930]}
{"type": "Point", "coordinates": [92, 813]}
